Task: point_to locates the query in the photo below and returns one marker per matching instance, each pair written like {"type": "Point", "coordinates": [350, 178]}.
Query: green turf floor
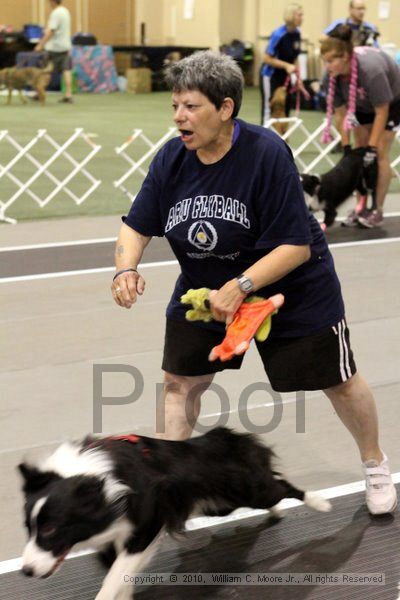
{"type": "Point", "coordinates": [112, 118]}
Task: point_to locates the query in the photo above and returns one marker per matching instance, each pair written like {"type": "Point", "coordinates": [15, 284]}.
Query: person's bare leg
{"type": "Point", "coordinates": [181, 405]}
{"type": "Point", "coordinates": [384, 168]}
{"type": "Point", "coordinates": [355, 405]}
{"type": "Point", "coordinates": [68, 83]}
{"type": "Point", "coordinates": [361, 136]}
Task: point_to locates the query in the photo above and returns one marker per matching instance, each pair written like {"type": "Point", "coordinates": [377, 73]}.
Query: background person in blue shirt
{"type": "Point", "coordinates": [280, 58]}
{"type": "Point", "coordinates": [227, 196]}
{"type": "Point", "coordinates": [364, 33]}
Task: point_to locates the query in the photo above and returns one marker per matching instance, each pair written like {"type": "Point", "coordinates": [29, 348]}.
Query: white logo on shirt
{"type": "Point", "coordinates": [207, 207]}
{"type": "Point", "coordinates": [203, 235]}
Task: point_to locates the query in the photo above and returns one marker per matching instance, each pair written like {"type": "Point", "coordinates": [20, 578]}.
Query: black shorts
{"type": "Point", "coordinates": [61, 61]}
{"type": "Point", "coordinates": [313, 362]}
{"type": "Point", "coordinates": [393, 120]}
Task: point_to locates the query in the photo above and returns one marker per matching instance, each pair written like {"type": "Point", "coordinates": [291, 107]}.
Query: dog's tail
{"type": "Point", "coordinates": [311, 499]}
{"type": "Point", "coordinates": [317, 502]}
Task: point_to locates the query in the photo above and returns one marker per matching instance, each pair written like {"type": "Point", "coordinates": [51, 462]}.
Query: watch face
{"type": "Point", "coordinates": [245, 284]}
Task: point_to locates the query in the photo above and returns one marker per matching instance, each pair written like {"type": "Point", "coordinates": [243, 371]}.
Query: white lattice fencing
{"type": "Point", "coordinates": [309, 145]}
{"type": "Point", "coordinates": [312, 142]}
{"type": "Point", "coordinates": [136, 165]}
{"type": "Point", "coordinates": [11, 169]}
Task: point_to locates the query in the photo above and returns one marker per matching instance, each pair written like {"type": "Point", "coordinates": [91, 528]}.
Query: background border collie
{"type": "Point", "coordinates": [129, 490]}
{"type": "Point", "coordinates": [328, 191]}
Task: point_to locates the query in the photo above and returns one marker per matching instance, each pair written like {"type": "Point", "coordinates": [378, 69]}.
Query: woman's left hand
{"type": "Point", "coordinates": [226, 301]}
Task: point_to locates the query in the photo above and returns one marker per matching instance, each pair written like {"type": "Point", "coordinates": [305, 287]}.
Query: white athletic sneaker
{"type": "Point", "coordinates": [381, 494]}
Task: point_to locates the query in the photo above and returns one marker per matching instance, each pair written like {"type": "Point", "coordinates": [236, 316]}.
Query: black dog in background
{"type": "Point", "coordinates": [328, 191]}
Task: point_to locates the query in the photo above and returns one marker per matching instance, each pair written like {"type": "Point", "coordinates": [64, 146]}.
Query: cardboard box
{"type": "Point", "coordinates": [123, 61]}
{"type": "Point", "coordinates": [138, 80]}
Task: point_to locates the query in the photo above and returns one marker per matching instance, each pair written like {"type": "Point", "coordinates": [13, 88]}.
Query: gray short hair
{"type": "Point", "coordinates": [215, 75]}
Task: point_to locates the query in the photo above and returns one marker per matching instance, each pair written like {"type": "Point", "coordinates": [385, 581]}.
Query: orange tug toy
{"type": "Point", "coordinates": [253, 319]}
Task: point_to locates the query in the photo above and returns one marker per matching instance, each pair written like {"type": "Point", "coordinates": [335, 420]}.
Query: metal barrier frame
{"type": "Point", "coordinates": [294, 124]}
{"type": "Point", "coordinates": [312, 139]}
{"type": "Point", "coordinates": [42, 169]}
{"type": "Point", "coordinates": [137, 165]}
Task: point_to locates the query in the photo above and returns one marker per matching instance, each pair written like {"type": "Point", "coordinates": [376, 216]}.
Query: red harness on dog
{"type": "Point", "coordinates": [131, 438]}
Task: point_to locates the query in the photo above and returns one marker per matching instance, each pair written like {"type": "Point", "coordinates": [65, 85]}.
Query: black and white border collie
{"type": "Point", "coordinates": [328, 191]}
{"type": "Point", "coordinates": [128, 490]}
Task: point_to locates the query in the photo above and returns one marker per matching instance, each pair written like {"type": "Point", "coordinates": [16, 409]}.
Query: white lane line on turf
{"type": "Point", "coordinates": [58, 244]}
{"type": "Point", "coordinates": [161, 263]}
{"type": "Point", "coordinates": [339, 491]}
{"type": "Point", "coordinates": [165, 263]}
{"type": "Point", "coordinates": [108, 240]}
{"type": "Point", "coordinates": [364, 243]}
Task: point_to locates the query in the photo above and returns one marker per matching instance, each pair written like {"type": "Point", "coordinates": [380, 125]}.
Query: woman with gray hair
{"type": "Point", "coordinates": [280, 58]}
{"type": "Point", "coordinates": [227, 196]}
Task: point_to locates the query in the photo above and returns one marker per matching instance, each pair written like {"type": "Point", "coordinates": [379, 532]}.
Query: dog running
{"type": "Point", "coordinates": [125, 492]}
{"type": "Point", "coordinates": [15, 78]}
{"type": "Point", "coordinates": [328, 191]}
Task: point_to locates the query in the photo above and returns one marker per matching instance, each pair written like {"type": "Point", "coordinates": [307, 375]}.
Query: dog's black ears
{"type": "Point", "coordinates": [33, 478]}
{"type": "Point", "coordinates": [89, 487]}
{"type": "Point", "coordinates": [89, 492]}
{"type": "Point", "coordinates": [311, 178]}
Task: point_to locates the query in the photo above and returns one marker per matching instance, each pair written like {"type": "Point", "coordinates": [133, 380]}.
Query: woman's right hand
{"type": "Point", "coordinates": [126, 287]}
{"type": "Point", "coordinates": [290, 68]}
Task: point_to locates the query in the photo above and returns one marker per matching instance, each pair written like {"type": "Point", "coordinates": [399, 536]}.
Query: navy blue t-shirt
{"type": "Point", "coordinates": [221, 218]}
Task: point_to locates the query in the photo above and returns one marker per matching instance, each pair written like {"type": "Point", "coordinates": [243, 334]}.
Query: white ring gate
{"type": "Point", "coordinates": [312, 139]}
{"type": "Point", "coordinates": [24, 152]}
{"type": "Point", "coordinates": [137, 165]}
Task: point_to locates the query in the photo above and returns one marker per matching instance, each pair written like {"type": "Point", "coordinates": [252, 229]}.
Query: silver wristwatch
{"type": "Point", "coordinates": [245, 284]}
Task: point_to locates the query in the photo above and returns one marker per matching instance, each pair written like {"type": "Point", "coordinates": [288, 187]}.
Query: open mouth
{"type": "Point", "coordinates": [186, 134]}
{"type": "Point", "coordinates": [57, 564]}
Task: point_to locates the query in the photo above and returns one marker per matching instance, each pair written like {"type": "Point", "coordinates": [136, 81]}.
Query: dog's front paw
{"type": "Point", "coordinates": [126, 593]}
{"type": "Point", "coordinates": [105, 595]}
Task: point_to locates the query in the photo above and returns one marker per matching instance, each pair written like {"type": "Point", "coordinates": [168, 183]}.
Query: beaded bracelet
{"type": "Point", "coordinates": [123, 271]}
